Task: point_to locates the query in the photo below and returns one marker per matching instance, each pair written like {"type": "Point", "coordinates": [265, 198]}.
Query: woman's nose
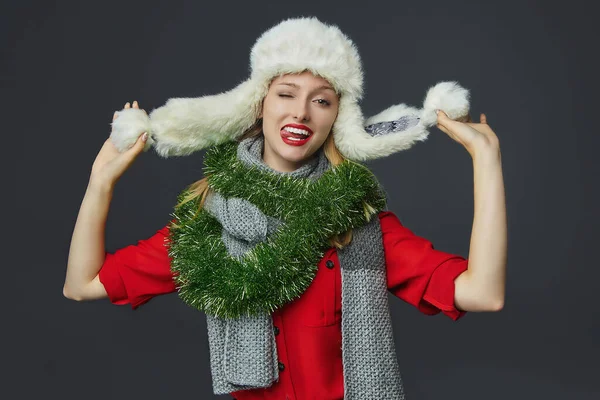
{"type": "Point", "coordinates": [301, 112]}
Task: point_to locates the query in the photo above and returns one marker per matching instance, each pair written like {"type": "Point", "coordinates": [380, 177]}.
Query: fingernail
{"type": "Point", "coordinates": [436, 111]}
{"type": "Point", "coordinates": [145, 136]}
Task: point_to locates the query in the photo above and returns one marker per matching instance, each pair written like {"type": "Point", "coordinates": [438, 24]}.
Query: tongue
{"type": "Point", "coordinates": [294, 135]}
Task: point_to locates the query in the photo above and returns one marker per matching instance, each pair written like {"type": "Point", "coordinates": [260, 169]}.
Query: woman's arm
{"type": "Point", "coordinates": [482, 286]}
{"type": "Point", "coordinates": [86, 254]}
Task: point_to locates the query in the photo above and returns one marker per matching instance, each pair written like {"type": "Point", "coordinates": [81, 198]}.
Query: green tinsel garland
{"type": "Point", "coordinates": [279, 269]}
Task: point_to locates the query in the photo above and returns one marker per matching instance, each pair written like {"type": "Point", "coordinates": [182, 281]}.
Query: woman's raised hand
{"type": "Point", "coordinates": [475, 137]}
{"type": "Point", "coordinates": [110, 164]}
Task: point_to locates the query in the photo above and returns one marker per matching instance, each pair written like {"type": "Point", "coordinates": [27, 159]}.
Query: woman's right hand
{"type": "Point", "coordinates": [110, 164]}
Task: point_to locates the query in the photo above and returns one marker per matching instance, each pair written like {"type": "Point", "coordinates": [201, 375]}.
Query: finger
{"type": "Point", "coordinates": [137, 147]}
{"type": "Point", "coordinates": [135, 104]}
{"type": "Point", "coordinates": [115, 115]}
{"type": "Point", "coordinates": [141, 141]}
{"type": "Point", "coordinates": [446, 131]}
{"type": "Point", "coordinates": [441, 114]}
{"type": "Point", "coordinates": [443, 119]}
{"type": "Point", "coordinates": [443, 129]}
{"type": "Point", "coordinates": [482, 119]}
{"type": "Point", "coordinates": [127, 105]}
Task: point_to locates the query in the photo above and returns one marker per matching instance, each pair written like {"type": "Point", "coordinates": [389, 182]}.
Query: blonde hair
{"type": "Point", "coordinates": [198, 190]}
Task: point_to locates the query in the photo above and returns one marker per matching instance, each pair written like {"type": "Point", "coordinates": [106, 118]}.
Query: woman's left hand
{"type": "Point", "coordinates": [475, 137]}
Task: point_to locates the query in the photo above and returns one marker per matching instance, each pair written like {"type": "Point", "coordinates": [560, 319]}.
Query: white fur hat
{"type": "Point", "coordinates": [185, 125]}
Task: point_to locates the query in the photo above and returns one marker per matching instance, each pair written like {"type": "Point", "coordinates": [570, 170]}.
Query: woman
{"type": "Point", "coordinates": [286, 244]}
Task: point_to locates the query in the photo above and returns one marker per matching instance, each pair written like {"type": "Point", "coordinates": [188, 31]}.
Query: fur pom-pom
{"type": "Point", "coordinates": [449, 97]}
{"type": "Point", "coordinates": [128, 126]}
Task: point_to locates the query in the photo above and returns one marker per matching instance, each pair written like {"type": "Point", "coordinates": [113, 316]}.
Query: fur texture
{"type": "Point", "coordinates": [185, 125]}
{"type": "Point", "coordinates": [447, 96]}
{"type": "Point", "coordinates": [358, 145]}
{"type": "Point", "coordinates": [132, 122]}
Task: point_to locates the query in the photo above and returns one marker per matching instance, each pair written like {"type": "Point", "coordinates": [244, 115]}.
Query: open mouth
{"type": "Point", "coordinates": [295, 136]}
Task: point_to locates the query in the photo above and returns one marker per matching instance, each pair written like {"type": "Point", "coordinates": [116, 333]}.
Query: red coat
{"type": "Point", "coordinates": [308, 329]}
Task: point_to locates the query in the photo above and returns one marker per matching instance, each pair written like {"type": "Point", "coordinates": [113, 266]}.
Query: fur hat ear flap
{"type": "Point", "coordinates": [186, 125]}
{"type": "Point", "coordinates": [396, 128]}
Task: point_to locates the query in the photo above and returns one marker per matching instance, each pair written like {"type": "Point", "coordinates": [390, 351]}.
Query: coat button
{"type": "Point", "coordinates": [329, 264]}
{"type": "Point", "coordinates": [281, 366]}
{"type": "Point", "coordinates": [276, 330]}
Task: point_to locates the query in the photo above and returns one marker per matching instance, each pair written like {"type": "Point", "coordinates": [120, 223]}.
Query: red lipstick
{"type": "Point", "coordinates": [295, 139]}
{"type": "Point", "coordinates": [299, 126]}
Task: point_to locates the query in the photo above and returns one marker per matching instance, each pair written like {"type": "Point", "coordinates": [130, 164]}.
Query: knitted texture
{"type": "Point", "coordinates": [371, 369]}
{"type": "Point", "coordinates": [243, 352]}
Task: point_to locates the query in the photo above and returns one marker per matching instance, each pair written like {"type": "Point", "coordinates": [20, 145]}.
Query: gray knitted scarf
{"type": "Point", "coordinates": [243, 353]}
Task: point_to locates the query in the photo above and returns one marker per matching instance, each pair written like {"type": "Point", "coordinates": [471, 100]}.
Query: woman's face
{"type": "Point", "coordinates": [298, 113]}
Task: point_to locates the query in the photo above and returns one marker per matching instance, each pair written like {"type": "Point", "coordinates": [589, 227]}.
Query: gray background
{"type": "Point", "coordinates": [530, 66]}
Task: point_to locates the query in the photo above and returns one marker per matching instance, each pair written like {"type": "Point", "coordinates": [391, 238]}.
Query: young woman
{"type": "Point", "coordinates": [286, 244]}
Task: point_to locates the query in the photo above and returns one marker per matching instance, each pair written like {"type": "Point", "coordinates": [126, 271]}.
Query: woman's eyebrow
{"type": "Point", "coordinates": [326, 87]}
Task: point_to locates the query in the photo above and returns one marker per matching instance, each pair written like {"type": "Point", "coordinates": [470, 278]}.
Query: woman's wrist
{"type": "Point", "coordinates": [486, 154]}
{"type": "Point", "coordinates": [99, 186]}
